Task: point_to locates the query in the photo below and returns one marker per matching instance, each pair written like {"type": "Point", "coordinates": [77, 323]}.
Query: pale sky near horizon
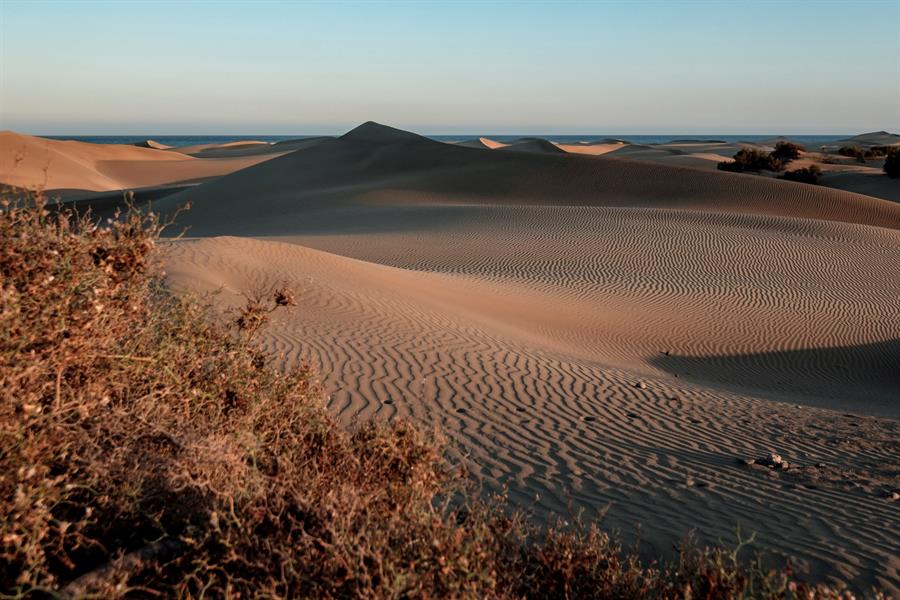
{"type": "Point", "coordinates": [611, 67]}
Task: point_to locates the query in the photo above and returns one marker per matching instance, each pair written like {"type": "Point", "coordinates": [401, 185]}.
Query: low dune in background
{"type": "Point", "coordinates": [59, 166]}
{"type": "Point", "coordinates": [77, 169]}
{"type": "Point", "coordinates": [612, 333]}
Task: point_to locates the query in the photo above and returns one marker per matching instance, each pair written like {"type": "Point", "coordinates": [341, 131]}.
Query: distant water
{"type": "Point", "coordinates": [191, 140]}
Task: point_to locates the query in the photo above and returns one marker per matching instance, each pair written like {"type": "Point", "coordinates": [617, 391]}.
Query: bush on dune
{"type": "Point", "coordinates": [862, 155]}
{"type": "Point", "coordinates": [892, 163]}
{"type": "Point", "coordinates": [751, 159]}
{"type": "Point", "coordinates": [787, 151]}
{"type": "Point", "coordinates": [150, 449]}
{"type": "Point", "coordinates": [852, 152]}
{"type": "Point", "coordinates": [878, 151]}
{"type": "Point", "coordinates": [808, 174]}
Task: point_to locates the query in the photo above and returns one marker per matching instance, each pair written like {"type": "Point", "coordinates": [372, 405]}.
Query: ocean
{"type": "Point", "coordinates": [191, 140]}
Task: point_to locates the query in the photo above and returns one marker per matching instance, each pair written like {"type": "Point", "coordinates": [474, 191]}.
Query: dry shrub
{"type": "Point", "coordinates": [852, 152]}
{"type": "Point", "coordinates": [787, 151]}
{"type": "Point", "coordinates": [808, 174]}
{"type": "Point", "coordinates": [892, 163]}
{"type": "Point", "coordinates": [150, 450]}
{"type": "Point", "coordinates": [751, 159]}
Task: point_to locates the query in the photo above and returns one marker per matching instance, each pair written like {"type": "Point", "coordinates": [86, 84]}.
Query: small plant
{"type": "Point", "coordinates": [892, 163]}
{"type": "Point", "coordinates": [808, 174]}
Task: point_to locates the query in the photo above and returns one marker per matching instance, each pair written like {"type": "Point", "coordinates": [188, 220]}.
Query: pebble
{"type": "Point", "coordinates": [640, 385]}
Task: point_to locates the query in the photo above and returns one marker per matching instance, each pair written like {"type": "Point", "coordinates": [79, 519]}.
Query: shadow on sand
{"type": "Point", "coordinates": [861, 378]}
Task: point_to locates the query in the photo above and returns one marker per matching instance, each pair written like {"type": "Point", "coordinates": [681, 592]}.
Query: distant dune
{"type": "Point", "coordinates": [533, 146]}
{"type": "Point", "coordinates": [482, 142]}
{"type": "Point", "coordinates": [875, 138]}
{"type": "Point", "coordinates": [593, 333]}
{"type": "Point", "coordinates": [152, 144]}
{"type": "Point", "coordinates": [70, 166]}
{"type": "Point", "coordinates": [381, 164]}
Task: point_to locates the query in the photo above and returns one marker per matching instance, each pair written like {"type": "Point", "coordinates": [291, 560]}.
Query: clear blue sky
{"type": "Point", "coordinates": [169, 67]}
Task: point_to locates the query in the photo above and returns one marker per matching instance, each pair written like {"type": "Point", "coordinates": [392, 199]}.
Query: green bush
{"type": "Point", "coordinates": [892, 163]}
{"type": "Point", "coordinates": [808, 174]}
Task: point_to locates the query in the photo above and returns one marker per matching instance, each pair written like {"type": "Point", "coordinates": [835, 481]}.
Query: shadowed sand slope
{"type": "Point", "coordinates": [375, 164]}
{"type": "Point", "coordinates": [593, 333]}
{"type": "Point", "coordinates": [34, 162]}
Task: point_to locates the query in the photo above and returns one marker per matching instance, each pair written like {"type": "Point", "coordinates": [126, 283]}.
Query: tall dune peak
{"type": "Point", "coordinates": [370, 131]}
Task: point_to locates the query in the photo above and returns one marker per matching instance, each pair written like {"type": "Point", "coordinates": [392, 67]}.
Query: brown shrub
{"type": "Point", "coordinates": [808, 174]}
{"type": "Point", "coordinates": [787, 151]}
{"type": "Point", "coordinates": [149, 448]}
{"type": "Point", "coordinates": [751, 159]}
{"type": "Point", "coordinates": [853, 152]}
{"type": "Point", "coordinates": [892, 163]}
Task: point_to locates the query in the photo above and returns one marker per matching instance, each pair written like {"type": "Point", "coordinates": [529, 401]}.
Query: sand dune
{"type": "Point", "coordinates": [593, 149]}
{"type": "Point", "coordinates": [593, 333]}
{"type": "Point", "coordinates": [249, 148]}
{"type": "Point", "coordinates": [533, 374]}
{"type": "Point", "coordinates": [875, 138]}
{"type": "Point", "coordinates": [482, 142]}
{"type": "Point", "coordinates": [870, 182]}
{"type": "Point", "coordinates": [533, 146]}
{"type": "Point", "coordinates": [55, 165]}
{"type": "Point", "coordinates": [152, 144]}
{"type": "Point", "coordinates": [376, 165]}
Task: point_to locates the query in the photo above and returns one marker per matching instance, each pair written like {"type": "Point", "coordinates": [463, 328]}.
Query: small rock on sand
{"type": "Point", "coordinates": [773, 461]}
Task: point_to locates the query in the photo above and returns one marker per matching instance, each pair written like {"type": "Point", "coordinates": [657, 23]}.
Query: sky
{"type": "Point", "coordinates": [291, 67]}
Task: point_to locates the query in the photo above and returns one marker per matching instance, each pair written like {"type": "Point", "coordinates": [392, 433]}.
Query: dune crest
{"type": "Point", "coordinates": [347, 169]}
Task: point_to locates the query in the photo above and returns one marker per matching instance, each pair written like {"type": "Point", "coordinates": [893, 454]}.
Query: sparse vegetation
{"type": "Point", "coordinates": [808, 174]}
{"type": "Point", "coordinates": [862, 155]}
{"type": "Point", "coordinates": [751, 159]}
{"type": "Point", "coordinates": [787, 151]}
{"type": "Point", "coordinates": [878, 151]}
{"type": "Point", "coordinates": [852, 152]}
{"type": "Point", "coordinates": [148, 448]}
{"type": "Point", "coordinates": [892, 163]}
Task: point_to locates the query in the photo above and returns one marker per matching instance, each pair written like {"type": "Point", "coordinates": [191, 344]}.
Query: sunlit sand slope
{"type": "Point", "coordinates": [594, 334]}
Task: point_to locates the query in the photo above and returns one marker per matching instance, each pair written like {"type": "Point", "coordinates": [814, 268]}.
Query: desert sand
{"type": "Point", "coordinates": [590, 333]}
{"type": "Point", "coordinates": [65, 167]}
